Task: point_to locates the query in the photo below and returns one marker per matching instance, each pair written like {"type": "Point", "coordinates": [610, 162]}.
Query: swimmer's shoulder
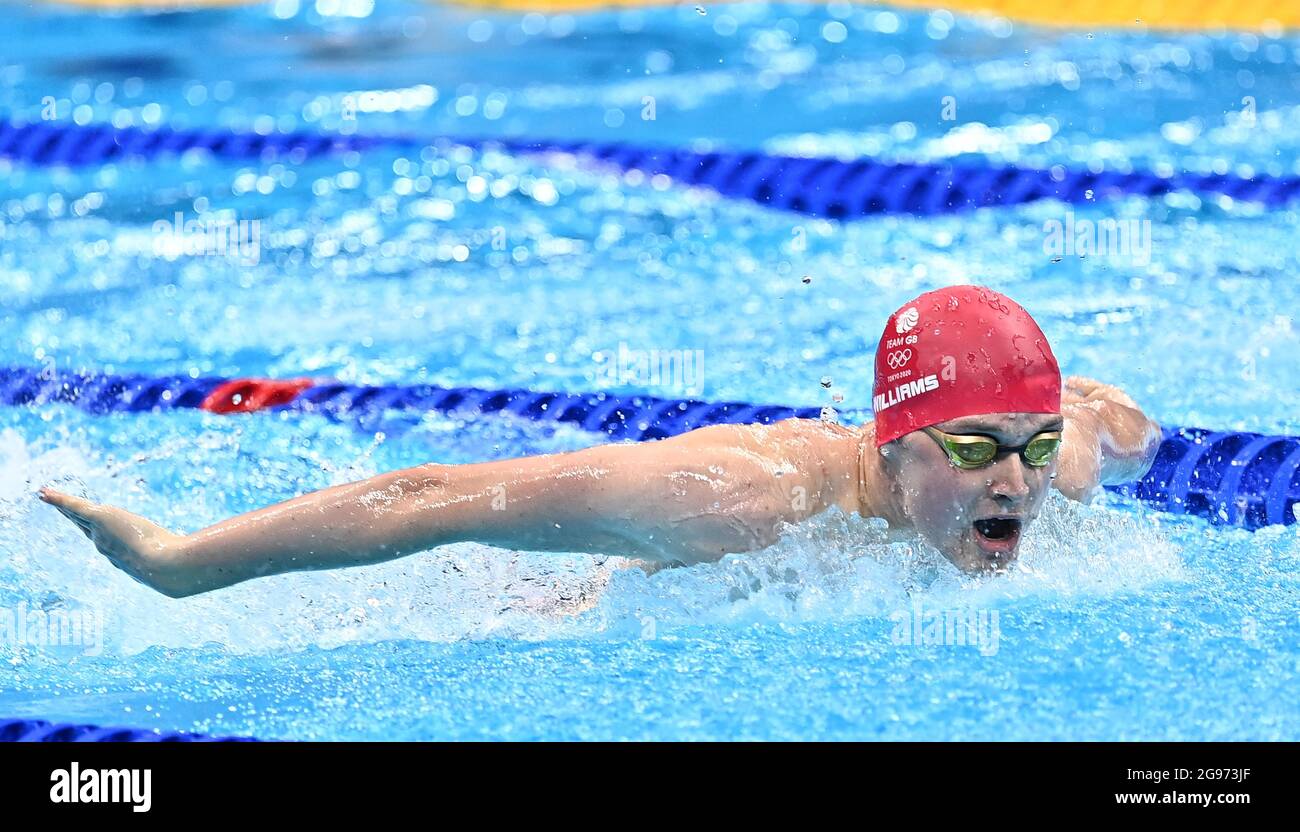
{"type": "Point", "coordinates": [824, 453]}
{"type": "Point", "coordinates": [822, 456]}
{"type": "Point", "coordinates": [811, 441]}
{"type": "Point", "coordinates": [785, 430]}
{"type": "Point", "coordinates": [810, 436]}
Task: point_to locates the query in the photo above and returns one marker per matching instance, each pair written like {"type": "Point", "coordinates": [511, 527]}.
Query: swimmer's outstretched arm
{"type": "Point", "coordinates": [691, 498]}
{"type": "Point", "coordinates": [1107, 439]}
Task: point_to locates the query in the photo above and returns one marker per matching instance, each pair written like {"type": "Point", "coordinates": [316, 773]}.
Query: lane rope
{"type": "Point", "coordinates": [40, 730]}
{"type": "Point", "coordinates": [821, 187]}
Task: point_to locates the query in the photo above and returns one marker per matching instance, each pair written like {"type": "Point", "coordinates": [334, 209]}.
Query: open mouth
{"type": "Point", "coordinates": [997, 535]}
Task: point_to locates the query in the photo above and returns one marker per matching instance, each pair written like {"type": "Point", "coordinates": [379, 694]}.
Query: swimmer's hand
{"type": "Point", "coordinates": [144, 550]}
{"type": "Point", "coordinates": [1080, 389]}
{"type": "Point", "coordinates": [1108, 440]}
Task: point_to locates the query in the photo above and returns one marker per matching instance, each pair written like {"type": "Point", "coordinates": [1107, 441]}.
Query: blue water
{"type": "Point", "coordinates": [1118, 624]}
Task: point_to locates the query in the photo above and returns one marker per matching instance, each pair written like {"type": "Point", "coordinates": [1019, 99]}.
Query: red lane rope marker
{"type": "Point", "coordinates": [245, 395]}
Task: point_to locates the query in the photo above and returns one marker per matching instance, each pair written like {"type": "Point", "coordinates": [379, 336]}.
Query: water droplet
{"type": "Point", "coordinates": [837, 397]}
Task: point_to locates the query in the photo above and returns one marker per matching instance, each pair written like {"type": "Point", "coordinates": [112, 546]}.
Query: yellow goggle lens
{"type": "Point", "coordinates": [1039, 452]}
{"type": "Point", "coordinates": [972, 453]}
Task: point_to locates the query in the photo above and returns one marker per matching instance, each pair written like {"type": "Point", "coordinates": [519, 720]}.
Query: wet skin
{"type": "Point", "coordinates": [688, 499]}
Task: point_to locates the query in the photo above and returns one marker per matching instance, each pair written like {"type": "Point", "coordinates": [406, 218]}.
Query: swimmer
{"type": "Point", "coordinates": [972, 426]}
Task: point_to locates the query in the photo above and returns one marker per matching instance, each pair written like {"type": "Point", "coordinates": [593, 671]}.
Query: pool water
{"type": "Point", "coordinates": [467, 268]}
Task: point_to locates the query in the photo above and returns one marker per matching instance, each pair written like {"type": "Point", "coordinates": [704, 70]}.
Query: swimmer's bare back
{"type": "Point", "coordinates": [687, 499]}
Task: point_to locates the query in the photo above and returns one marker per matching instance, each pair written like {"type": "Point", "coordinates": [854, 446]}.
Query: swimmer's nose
{"type": "Point", "coordinates": [1007, 479]}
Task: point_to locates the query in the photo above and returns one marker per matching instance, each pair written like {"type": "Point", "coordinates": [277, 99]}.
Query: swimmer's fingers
{"type": "Point", "coordinates": [87, 516]}
{"type": "Point", "coordinates": [74, 507]}
{"type": "Point", "coordinates": [124, 538]}
{"type": "Point", "coordinates": [1083, 389]}
{"type": "Point", "coordinates": [144, 550]}
{"type": "Point", "coordinates": [80, 511]}
{"type": "Point", "coordinates": [1078, 389]}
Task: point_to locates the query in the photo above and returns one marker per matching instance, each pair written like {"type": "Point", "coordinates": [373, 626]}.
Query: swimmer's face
{"type": "Point", "coordinates": [975, 517]}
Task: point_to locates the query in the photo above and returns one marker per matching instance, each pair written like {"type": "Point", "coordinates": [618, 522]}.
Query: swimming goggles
{"type": "Point", "coordinates": [969, 451]}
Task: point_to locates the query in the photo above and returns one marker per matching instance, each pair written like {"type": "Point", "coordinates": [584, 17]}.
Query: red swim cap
{"type": "Point", "coordinates": [961, 351]}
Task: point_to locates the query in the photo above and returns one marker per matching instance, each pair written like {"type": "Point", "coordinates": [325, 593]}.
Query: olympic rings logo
{"type": "Point", "coordinates": [898, 359]}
